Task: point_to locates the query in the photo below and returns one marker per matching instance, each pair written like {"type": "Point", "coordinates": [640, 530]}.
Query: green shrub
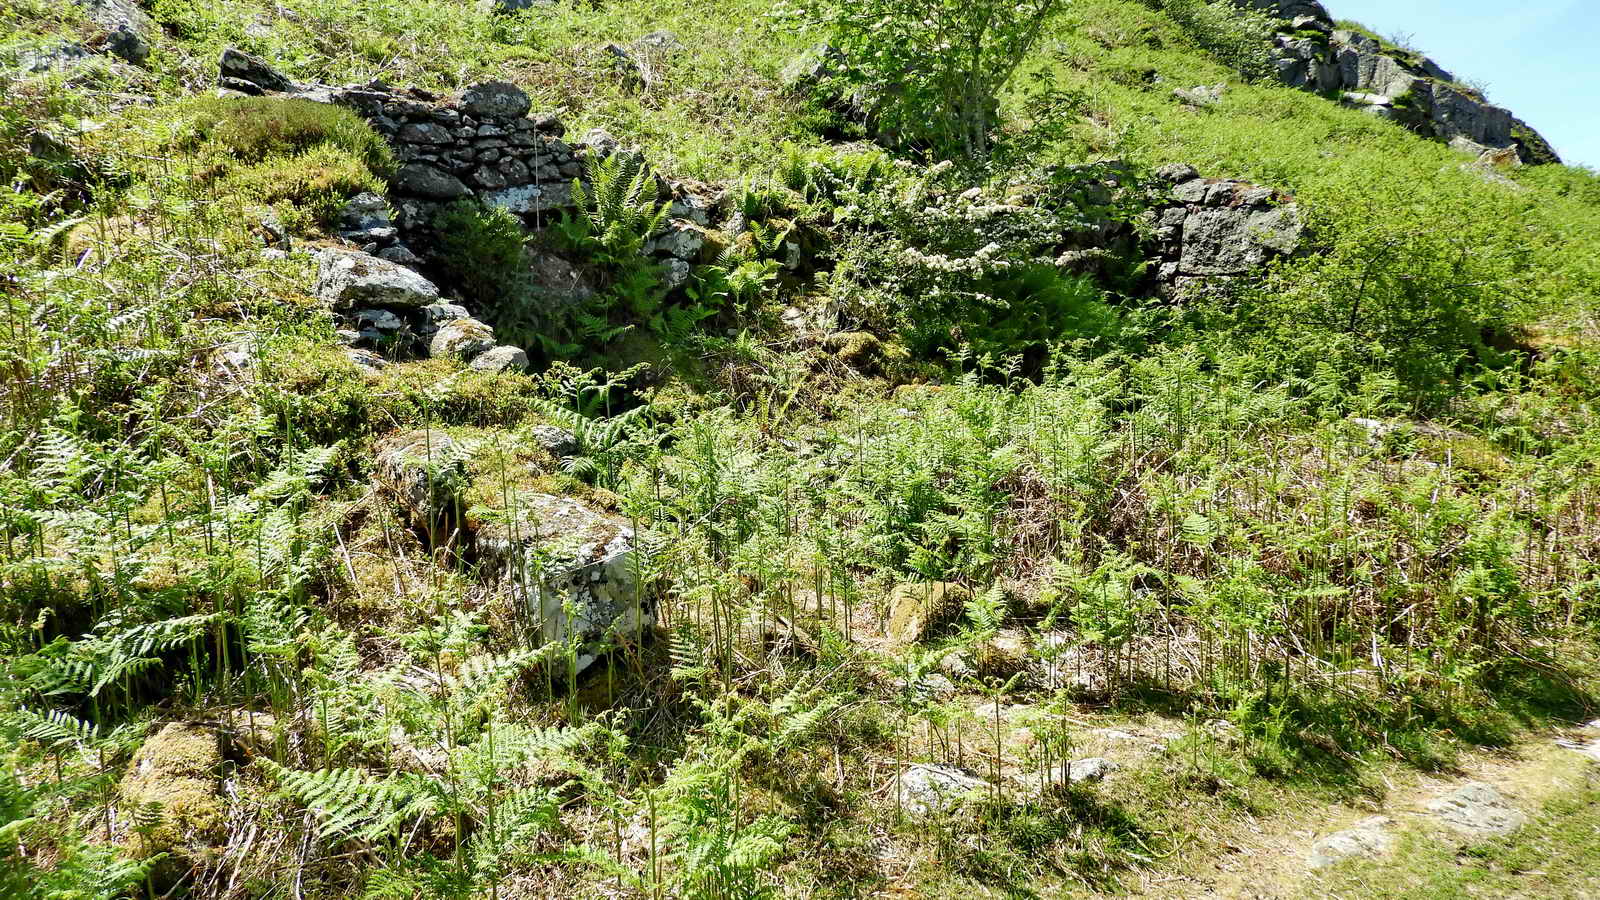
{"type": "Point", "coordinates": [934, 70]}
{"type": "Point", "coordinates": [481, 252]}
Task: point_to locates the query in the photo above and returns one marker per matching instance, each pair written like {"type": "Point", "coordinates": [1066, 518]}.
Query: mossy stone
{"type": "Point", "coordinates": [917, 609]}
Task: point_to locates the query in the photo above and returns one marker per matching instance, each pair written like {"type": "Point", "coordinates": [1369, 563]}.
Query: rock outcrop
{"type": "Point", "coordinates": [1314, 54]}
{"type": "Point", "coordinates": [1213, 228]}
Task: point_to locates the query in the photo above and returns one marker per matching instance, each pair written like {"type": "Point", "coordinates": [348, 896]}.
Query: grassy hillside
{"type": "Point", "coordinates": [931, 497]}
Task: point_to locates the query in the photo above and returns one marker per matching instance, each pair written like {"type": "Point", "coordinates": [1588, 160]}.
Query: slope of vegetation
{"type": "Point", "coordinates": [1259, 547]}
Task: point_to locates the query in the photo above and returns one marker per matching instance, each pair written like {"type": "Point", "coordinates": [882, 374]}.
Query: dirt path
{"type": "Point", "coordinates": [1269, 857]}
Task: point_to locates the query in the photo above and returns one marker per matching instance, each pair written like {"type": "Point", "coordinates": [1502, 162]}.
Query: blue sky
{"type": "Point", "coordinates": [1540, 58]}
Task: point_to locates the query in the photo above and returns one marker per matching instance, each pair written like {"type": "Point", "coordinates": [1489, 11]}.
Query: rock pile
{"type": "Point", "coordinates": [484, 145]}
{"type": "Point", "coordinates": [1212, 228]}
{"type": "Point", "coordinates": [1312, 53]}
{"type": "Point", "coordinates": [567, 567]}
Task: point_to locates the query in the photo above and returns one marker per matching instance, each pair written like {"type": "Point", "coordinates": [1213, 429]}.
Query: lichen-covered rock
{"type": "Point", "coordinates": [917, 609]}
{"type": "Point", "coordinates": [1369, 837]}
{"type": "Point", "coordinates": [349, 278]}
{"type": "Point", "coordinates": [495, 100]}
{"type": "Point", "coordinates": [463, 339]}
{"type": "Point", "coordinates": [504, 358]}
{"type": "Point", "coordinates": [571, 570]}
{"type": "Point", "coordinates": [425, 473]}
{"type": "Point", "coordinates": [927, 790]}
{"type": "Point", "coordinates": [175, 780]}
{"type": "Point", "coordinates": [1212, 228]}
{"type": "Point", "coordinates": [242, 72]}
{"type": "Point", "coordinates": [557, 442]}
{"type": "Point", "coordinates": [679, 240]}
{"type": "Point", "coordinates": [1478, 810]}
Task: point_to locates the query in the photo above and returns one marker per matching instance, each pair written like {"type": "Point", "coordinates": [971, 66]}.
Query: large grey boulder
{"type": "Point", "coordinates": [129, 32]}
{"type": "Point", "coordinates": [1478, 810]}
{"type": "Point", "coordinates": [1368, 837]}
{"type": "Point", "coordinates": [1210, 228]}
{"type": "Point", "coordinates": [350, 278]}
{"type": "Point", "coordinates": [1233, 241]}
{"type": "Point", "coordinates": [926, 790]}
{"type": "Point", "coordinates": [572, 571]}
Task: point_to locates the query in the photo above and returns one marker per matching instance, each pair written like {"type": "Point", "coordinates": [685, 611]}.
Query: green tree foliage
{"type": "Point", "coordinates": [934, 69]}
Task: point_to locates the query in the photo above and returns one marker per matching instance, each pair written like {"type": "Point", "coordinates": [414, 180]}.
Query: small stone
{"type": "Point", "coordinates": [436, 314]}
{"type": "Point", "coordinates": [379, 320]}
{"type": "Point", "coordinates": [399, 254]}
{"type": "Point", "coordinates": [505, 358]}
{"type": "Point", "coordinates": [238, 67]}
{"type": "Point", "coordinates": [425, 180]}
{"type": "Point", "coordinates": [674, 274]}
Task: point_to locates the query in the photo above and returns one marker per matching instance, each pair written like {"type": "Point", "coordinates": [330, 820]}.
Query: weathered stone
{"type": "Point", "coordinates": [424, 472]}
{"type": "Point", "coordinates": [58, 55]}
{"type": "Point", "coordinates": [380, 320]}
{"type": "Point", "coordinates": [917, 609]}
{"type": "Point", "coordinates": [495, 100]}
{"type": "Point", "coordinates": [1201, 95]}
{"type": "Point", "coordinates": [436, 314]}
{"type": "Point", "coordinates": [559, 280]}
{"type": "Point", "coordinates": [128, 30]}
{"type": "Point", "coordinates": [1479, 810]}
{"type": "Point", "coordinates": [1003, 655]}
{"type": "Point", "coordinates": [679, 239]}
{"type": "Point", "coordinates": [239, 68]}
{"type": "Point", "coordinates": [425, 180]}
{"type": "Point", "coordinates": [674, 274]}
{"type": "Point", "coordinates": [571, 570]}
{"type": "Point", "coordinates": [529, 199]}
{"type": "Point", "coordinates": [177, 775]}
{"type": "Point", "coordinates": [347, 278]}
{"type": "Point", "coordinates": [505, 358]}
{"type": "Point", "coordinates": [1227, 241]}
{"type": "Point", "coordinates": [364, 210]}
{"type": "Point", "coordinates": [462, 338]}
{"type": "Point", "coordinates": [927, 790]}
{"type": "Point", "coordinates": [1369, 837]}
{"type": "Point", "coordinates": [557, 442]}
